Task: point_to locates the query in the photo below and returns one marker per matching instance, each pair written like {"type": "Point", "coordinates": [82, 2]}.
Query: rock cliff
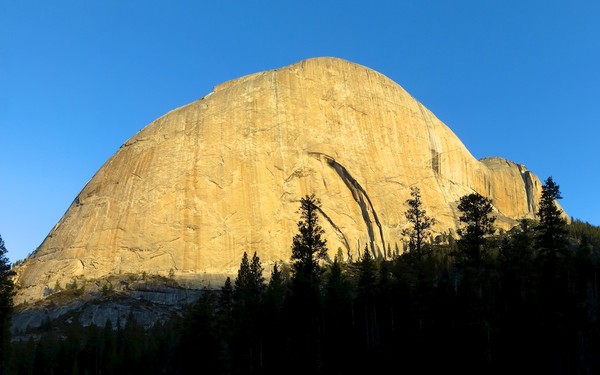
{"type": "Point", "coordinates": [188, 194]}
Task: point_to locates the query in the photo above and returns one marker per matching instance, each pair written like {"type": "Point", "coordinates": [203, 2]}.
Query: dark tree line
{"type": "Point", "coordinates": [6, 305]}
{"type": "Point", "coordinates": [524, 301]}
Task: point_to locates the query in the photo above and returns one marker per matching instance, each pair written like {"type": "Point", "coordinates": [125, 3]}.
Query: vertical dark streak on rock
{"type": "Point", "coordinates": [337, 230]}
{"type": "Point", "coordinates": [528, 184]}
{"type": "Point", "coordinates": [435, 161]}
{"type": "Point", "coordinates": [360, 196]}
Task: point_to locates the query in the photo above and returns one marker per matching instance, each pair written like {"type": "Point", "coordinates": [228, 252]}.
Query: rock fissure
{"type": "Point", "coordinates": [360, 196]}
{"type": "Point", "coordinates": [337, 230]}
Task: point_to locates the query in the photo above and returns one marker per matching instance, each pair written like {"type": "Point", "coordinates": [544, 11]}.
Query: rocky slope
{"type": "Point", "coordinates": [148, 299]}
{"type": "Point", "coordinates": [193, 190]}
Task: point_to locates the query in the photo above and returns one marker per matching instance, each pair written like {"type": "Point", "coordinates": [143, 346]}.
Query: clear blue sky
{"type": "Point", "coordinates": [517, 79]}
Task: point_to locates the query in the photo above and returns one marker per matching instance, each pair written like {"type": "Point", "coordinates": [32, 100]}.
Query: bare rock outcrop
{"type": "Point", "coordinates": [193, 190]}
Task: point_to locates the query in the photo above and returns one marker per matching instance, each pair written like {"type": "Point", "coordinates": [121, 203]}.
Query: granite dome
{"type": "Point", "coordinates": [193, 190]}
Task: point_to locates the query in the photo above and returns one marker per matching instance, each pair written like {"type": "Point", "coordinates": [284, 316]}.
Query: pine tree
{"type": "Point", "coordinates": [338, 337]}
{"type": "Point", "coordinates": [551, 230]}
{"type": "Point", "coordinates": [478, 223]}
{"type": "Point", "coordinates": [337, 289]}
{"type": "Point", "coordinates": [225, 322]}
{"type": "Point", "coordinates": [6, 305]}
{"type": "Point", "coordinates": [198, 334]}
{"type": "Point", "coordinates": [308, 247]}
{"type": "Point", "coordinates": [249, 283]}
{"type": "Point", "coordinates": [256, 276]}
{"type": "Point", "coordinates": [243, 277]}
{"type": "Point", "coordinates": [247, 299]}
{"type": "Point", "coordinates": [367, 275]}
{"type": "Point", "coordinates": [276, 290]}
{"type": "Point", "coordinates": [420, 223]}
{"type": "Point", "coordinates": [304, 306]}
{"type": "Point", "coordinates": [273, 328]}
{"type": "Point", "coordinates": [226, 297]}
{"type": "Point", "coordinates": [516, 262]}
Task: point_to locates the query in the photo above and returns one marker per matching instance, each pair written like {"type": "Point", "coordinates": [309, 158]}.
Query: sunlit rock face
{"type": "Point", "coordinates": [193, 190]}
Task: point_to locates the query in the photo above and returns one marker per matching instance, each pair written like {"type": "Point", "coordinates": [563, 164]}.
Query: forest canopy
{"type": "Point", "coordinates": [524, 300]}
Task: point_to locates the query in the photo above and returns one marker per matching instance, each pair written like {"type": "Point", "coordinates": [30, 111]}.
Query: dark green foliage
{"type": "Point", "coordinates": [308, 246]}
{"type": "Point", "coordinates": [367, 275]}
{"type": "Point", "coordinates": [249, 283]}
{"type": "Point", "coordinates": [226, 298]}
{"type": "Point", "coordinates": [272, 325]}
{"type": "Point", "coordinates": [198, 334]}
{"type": "Point", "coordinates": [516, 262]}
{"type": "Point", "coordinates": [96, 350]}
{"type": "Point", "coordinates": [338, 315]}
{"type": "Point", "coordinates": [435, 314]}
{"type": "Point", "coordinates": [551, 230]}
{"type": "Point", "coordinates": [419, 221]}
{"type": "Point", "coordinates": [276, 291]}
{"type": "Point", "coordinates": [478, 223]}
{"type": "Point", "coordinates": [337, 289]}
{"type": "Point", "coordinates": [6, 304]}
{"type": "Point", "coordinates": [304, 306]}
{"type": "Point", "coordinates": [584, 232]}
{"type": "Point", "coordinates": [247, 339]}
